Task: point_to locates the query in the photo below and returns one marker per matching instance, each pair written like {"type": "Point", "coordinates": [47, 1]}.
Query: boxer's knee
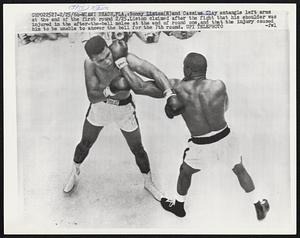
{"type": "Point", "coordinates": [244, 178]}
{"type": "Point", "coordinates": [238, 168]}
{"type": "Point", "coordinates": [186, 170]}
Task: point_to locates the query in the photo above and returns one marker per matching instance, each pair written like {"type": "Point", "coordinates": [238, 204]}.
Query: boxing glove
{"type": "Point", "coordinates": [119, 84]}
{"type": "Point", "coordinates": [174, 106]}
{"type": "Point", "coordinates": [119, 52]}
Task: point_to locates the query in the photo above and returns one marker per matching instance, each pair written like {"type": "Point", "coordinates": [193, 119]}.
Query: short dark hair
{"type": "Point", "coordinates": [195, 63]}
{"type": "Point", "coordinates": [95, 46]}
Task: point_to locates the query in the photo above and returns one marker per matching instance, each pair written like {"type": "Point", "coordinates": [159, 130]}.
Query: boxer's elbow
{"type": "Point", "coordinates": [138, 90]}
{"type": "Point", "coordinates": [94, 97]}
{"type": "Point", "coordinates": [138, 87]}
{"type": "Point", "coordinates": [150, 89]}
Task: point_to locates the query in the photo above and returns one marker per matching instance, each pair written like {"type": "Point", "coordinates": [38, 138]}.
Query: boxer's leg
{"type": "Point", "coordinates": [184, 179]}
{"type": "Point", "coordinates": [89, 135]}
{"type": "Point", "coordinates": [244, 178]}
{"type": "Point", "coordinates": [183, 185]}
{"type": "Point", "coordinates": [134, 142]}
{"type": "Point", "coordinates": [246, 182]}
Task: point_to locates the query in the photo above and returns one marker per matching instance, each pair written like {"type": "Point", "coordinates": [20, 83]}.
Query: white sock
{"type": "Point", "coordinates": [253, 196]}
{"type": "Point", "coordinates": [180, 198]}
{"type": "Point", "coordinates": [77, 167]}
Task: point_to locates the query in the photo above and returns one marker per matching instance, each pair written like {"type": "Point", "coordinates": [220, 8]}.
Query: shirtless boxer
{"type": "Point", "coordinates": [202, 103]}
{"type": "Point", "coordinates": [111, 101]}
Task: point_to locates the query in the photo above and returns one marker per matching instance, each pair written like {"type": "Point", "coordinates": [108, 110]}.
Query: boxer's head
{"type": "Point", "coordinates": [98, 51]}
{"type": "Point", "coordinates": [194, 66]}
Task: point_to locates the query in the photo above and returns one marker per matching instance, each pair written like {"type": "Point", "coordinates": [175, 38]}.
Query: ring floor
{"type": "Point", "coordinates": [51, 105]}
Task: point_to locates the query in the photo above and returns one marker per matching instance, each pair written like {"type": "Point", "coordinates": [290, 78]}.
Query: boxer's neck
{"type": "Point", "coordinates": [198, 77]}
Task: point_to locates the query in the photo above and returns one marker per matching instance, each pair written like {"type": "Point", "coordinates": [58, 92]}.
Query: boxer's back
{"type": "Point", "coordinates": [204, 105]}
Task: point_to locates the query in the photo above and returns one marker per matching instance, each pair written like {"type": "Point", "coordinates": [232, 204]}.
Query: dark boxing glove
{"type": "Point", "coordinates": [117, 84]}
{"type": "Point", "coordinates": [174, 106]}
{"type": "Point", "coordinates": [119, 52]}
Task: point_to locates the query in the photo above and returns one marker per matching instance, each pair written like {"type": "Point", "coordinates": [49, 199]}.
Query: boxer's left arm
{"type": "Point", "coordinates": [134, 82]}
{"type": "Point", "coordinates": [148, 70]}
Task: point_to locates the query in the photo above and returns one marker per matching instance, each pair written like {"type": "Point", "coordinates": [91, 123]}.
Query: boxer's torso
{"type": "Point", "coordinates": [106, 76]}
{"type": "Point", "coordinates": [204, 105]}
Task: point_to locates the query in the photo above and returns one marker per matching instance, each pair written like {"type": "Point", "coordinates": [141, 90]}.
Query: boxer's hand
{"type": "Point", "coordinates": [119, 52]}
{"type": "Point", "coordinates": [119, 84]}
{"type": "Point", "coordinates": [173, 107]}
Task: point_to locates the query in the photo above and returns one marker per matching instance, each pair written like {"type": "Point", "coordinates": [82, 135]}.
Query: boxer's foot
{"type": "Point", "coordinates": [262, 209]}
{"type": "Point", "coordinates": [73, 180]}
{"type": "Point", "coordinates": [173, 206]}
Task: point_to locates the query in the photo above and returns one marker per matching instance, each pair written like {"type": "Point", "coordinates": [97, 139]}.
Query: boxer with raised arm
{"type": "Point", "coordinates": [202, 103]}
{"type": "Point", "coordinates": [111, 102]}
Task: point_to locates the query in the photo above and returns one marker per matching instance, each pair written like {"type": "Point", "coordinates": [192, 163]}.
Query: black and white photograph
{"type": "Point", "coordinates": [149, 129]}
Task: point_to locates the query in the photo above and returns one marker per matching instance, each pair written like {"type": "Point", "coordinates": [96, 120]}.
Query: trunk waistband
{"type": "Point", "coordinates": [119, 102]}
{"type": "Point", "coordinates": [210, 139]}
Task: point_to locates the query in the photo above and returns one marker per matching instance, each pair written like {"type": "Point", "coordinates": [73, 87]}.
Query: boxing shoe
{"type": "Point", "coordinates": [151, 188]}
{"type": "Point", "coordinates": [73, 180]}
{"type": "Point", "coordinates": [119, 49]}
{"type": "Point", "coordinates": [173, 206]}
{"type": "Point", "coordinates": [262, 209]}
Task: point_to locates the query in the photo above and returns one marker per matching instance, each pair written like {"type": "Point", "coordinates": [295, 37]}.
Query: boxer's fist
{"type": "Point", "coordinates": [119, 84]}
{"type": "Point", "coordinates": [118, 49]}
{"type": "Point", "coordinates": [174, 107]}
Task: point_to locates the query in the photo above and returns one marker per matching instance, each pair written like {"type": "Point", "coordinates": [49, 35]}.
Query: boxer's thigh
{"type": "Point", "coordinates": [133, 139]}
{"type": "Point", "coordinates": [229, 150]}
{"type": "Point", "coordinates": [199, 156]}
{"type": "Point", "coordinates": [90, 132]}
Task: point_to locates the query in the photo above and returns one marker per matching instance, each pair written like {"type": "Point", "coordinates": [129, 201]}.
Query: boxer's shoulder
{"type": "Point", "coordinates": [212, 87]}
{"type": "Point", "coordinates": [218, 85]}
{"type": "Point", "coordinates": [133, 61]}
{"type": "Point", "coordinates": [211, 84]}
{"type": "Point", "coordinates": [88, 64]}
{"type": "Point", "coordinates": [89, 67]}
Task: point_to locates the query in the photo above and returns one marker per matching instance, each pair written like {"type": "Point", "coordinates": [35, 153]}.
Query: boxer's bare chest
{"type": "Point", "coordinates": [105, 77]}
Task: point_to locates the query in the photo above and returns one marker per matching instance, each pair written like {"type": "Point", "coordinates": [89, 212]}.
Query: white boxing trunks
{"type": "Point", "coordinates": [114, 111]}
{"type": "Point", "coordinates": [204, 150]}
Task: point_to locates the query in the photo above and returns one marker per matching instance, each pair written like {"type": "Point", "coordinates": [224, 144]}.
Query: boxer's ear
{"type": "Point", "coordinates": [187, 72]}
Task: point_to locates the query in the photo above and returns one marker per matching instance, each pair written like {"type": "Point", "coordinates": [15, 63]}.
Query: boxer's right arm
{"type": "Point", "coordinates": [93, 86]}
{"type": "Point", "coordinates": [119, 51]}
{"type": "Point", "coordinates": [139, 86]}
